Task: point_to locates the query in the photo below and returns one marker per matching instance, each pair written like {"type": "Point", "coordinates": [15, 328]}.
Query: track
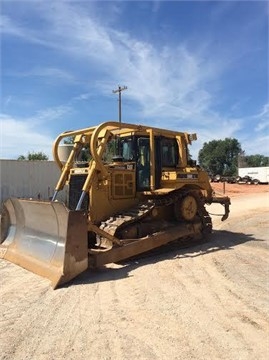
{"type": "Point", "coordinates": [135, 216]}
{"type": "Point", "coordinates": [209, 301]}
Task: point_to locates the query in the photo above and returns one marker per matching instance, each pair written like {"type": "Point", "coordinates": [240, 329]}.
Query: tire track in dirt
{"type": "Point", "coordinates": [124, 300]}
{"type": "Point", "coordinates": [209, 301]}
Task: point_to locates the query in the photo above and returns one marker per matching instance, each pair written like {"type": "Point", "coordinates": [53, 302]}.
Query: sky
{"type": "Point", "coordinates": [194, 66]}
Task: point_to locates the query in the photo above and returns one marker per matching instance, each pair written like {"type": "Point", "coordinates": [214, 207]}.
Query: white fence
{"type": "Point", "coordinates": [29, 179]}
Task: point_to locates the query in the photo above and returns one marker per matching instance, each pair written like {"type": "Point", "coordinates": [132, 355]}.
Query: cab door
{"type": "Point", "coordinates": [143, 164]}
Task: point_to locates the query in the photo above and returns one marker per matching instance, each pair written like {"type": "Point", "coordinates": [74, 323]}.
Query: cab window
{"type": "Point", "coordinates": [169, 152]}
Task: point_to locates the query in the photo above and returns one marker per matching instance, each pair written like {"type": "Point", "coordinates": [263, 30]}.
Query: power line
{"type": "Point", "coordinates": [119, 90]}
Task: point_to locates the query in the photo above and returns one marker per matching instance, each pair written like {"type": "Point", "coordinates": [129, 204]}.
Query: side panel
{"type": "Point", "coordinates": [109, 196]}
{"type": "Point", "coordinates": [123, 184]}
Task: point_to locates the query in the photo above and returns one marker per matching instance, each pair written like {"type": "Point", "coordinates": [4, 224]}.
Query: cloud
{"type": "Point", "coordinates": [46, 72]}
{"type": "Point", "coordinates": [263, 119]}
{"type": "Point", "coordinates": [12, 28]}
{"type": "Point", "coordinates": [257, 141]}
{"type": "Point", "coordinates": [218, 129]}
{"type": "Point", "coordinates": [51, 114]}
{"type": "Point", "coordinates": [84, 96]}
{"type": "Point", "coordinates": [256, 145]}
{"type": "Point", "coordinates": [168, 85]}
{"type": "Point", "coordinates": [163, 82]}
{"type": "Point", "coordinates": [20, 136]}
{"type": "Point", "coordinates": [7, 26]}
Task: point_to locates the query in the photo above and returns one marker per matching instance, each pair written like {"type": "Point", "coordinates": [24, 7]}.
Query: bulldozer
{"type": "Point", "coordinates": [137, 190]}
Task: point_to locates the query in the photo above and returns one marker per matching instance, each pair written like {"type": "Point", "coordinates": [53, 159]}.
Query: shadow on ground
{"type": "Point", "coordinates": [218, 241]}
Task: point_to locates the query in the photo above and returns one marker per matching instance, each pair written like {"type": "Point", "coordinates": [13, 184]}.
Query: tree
{"type": "Point", "coordinates": [69, 140]}
{"type": "Point", "coordinates": [220, 156]}
{"type": "Point", "coordinates": [84, 153]}
{"type": "Point", "coordinates": [256, 160]}
{"type": "Point", "coordinates": [34, 156]}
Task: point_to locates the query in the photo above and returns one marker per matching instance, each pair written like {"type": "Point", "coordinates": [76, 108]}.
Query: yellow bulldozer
{"type": "Point", "coordinates": [137, 190]}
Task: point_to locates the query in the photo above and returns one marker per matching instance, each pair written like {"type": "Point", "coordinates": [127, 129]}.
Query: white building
{"type": "Point", "coordinates": [29, 179]}
{"type": "Point", "coordinates": [260, 173]}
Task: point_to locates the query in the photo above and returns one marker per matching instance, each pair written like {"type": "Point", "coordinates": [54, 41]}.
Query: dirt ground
{"type": "Point", "coordinates": [233, 190]}
{"type": "Point", "coordinates": [208, 301]}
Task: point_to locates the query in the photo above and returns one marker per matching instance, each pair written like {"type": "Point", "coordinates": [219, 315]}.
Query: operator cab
{"type": "Point", "coordinates": [137, 149]}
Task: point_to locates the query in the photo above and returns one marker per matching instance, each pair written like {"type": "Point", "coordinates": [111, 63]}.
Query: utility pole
{"type": "Point", "coordinates": [119, 90]}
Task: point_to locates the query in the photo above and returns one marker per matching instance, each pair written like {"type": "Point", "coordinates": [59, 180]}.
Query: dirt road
{"type": "Point", "coordinates": [210, 301]}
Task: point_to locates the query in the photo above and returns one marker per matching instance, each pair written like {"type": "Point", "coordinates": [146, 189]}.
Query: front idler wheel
{"type": "Point", "coordinates": [186, 209]}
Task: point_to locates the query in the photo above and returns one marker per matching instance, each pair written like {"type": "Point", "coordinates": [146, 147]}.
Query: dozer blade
{"type": "Point", "coordinates": [45, 238]}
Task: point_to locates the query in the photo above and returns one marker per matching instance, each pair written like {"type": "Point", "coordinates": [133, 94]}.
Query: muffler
{"type": "Point", "coordinates": [45, 238]}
